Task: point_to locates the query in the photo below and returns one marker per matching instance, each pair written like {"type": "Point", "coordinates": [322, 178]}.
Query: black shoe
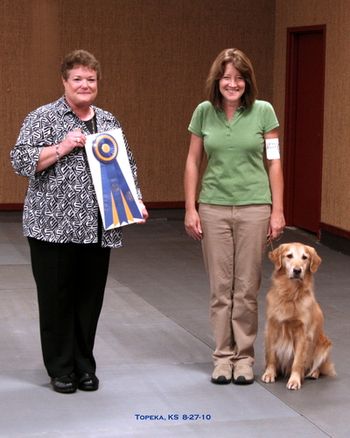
{"type": "Point", "coordinates": [221, 380]}
{"type": "Point", "coordinates": [64, 384]}
{"type": "Point", "coordinates": [241, 380]}
{"type": "Point", "coordinates": [88, 382]}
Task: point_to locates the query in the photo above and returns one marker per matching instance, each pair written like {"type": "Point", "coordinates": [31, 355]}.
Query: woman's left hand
{"type": "Point", "coordinates": [144, 212]}
{"type": "Point", "coordinates": [277, 224]}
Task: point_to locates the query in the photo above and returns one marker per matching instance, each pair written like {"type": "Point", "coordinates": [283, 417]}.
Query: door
{"type": "Point", "coordinates": [303, 143]}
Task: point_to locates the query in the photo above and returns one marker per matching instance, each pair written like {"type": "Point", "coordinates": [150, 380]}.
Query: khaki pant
{"type": "Point", "coordinates": [234, 239]}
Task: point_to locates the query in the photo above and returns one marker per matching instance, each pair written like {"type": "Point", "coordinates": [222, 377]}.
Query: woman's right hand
{"type": "Point", "coordinates": [74, 139]}
{"type": "Point", "coordinates": [193, 225]}
{"type": "Point", "coordinates": [50, 155]}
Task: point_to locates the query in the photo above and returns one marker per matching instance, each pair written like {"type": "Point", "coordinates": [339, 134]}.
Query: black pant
{"type": "Point", "coordinates": [71, 280]}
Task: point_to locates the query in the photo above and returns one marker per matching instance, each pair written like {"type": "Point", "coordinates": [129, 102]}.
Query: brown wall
{"type": "Point", "coordinates": [336, 149]}
{"type": "Point", "coordinates": [155, 56]}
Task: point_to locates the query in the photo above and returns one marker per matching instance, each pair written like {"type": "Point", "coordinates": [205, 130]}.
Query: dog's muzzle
{"type": "Point", "coordinates": [296, 273]}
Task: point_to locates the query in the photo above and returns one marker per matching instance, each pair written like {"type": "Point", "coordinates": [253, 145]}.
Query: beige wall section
{"type": "Point", "coordinates": [29, 49]}
{"type": "Point", "coordinates": [336, 149]}
{"type": "Point", "coordinates": [155, 55]}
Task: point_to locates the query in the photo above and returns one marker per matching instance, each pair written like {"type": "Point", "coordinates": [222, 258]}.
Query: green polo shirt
{"type": "Point", "coordinates": [235, 172]}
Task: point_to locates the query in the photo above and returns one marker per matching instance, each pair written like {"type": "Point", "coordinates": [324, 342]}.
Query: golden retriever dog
{"type": "Point", "coordinates": [295, 344]}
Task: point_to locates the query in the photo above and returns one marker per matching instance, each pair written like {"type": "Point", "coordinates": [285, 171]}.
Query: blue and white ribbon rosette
{"type": "Point", "coordinates": [113, 180]}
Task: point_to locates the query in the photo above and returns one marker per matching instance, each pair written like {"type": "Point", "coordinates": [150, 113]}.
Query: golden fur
{"type": "Point", "coordinates": [295, 344]}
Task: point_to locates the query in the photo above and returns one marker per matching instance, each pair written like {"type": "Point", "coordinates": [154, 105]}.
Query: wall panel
{"type": "Point", "coordinates": [155, 55]}
{"type": "Point", "coordinates": [336, 157]}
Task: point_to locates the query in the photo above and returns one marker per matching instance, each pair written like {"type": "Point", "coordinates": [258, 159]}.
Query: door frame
{"type": "Point", "coordinates": [290, 115]}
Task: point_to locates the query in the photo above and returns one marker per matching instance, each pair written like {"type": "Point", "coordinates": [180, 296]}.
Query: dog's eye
{"type": "Point", "coordinates": [290, 256]}
{"type": "Point", "coordinates": [304, 257]}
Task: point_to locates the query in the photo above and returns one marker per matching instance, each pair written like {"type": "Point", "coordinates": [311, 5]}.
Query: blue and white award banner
{"type": "Point", "coordinates": [112, 178]}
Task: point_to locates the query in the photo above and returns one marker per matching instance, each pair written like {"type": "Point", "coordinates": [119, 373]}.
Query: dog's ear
{"type": "Point", "coordinates": [315, 259]}
{"type": "Point", "coordinates": [276, 257]}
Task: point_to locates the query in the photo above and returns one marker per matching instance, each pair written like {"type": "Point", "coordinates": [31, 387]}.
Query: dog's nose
{"type": "Point", "coordinates": [296, 272]}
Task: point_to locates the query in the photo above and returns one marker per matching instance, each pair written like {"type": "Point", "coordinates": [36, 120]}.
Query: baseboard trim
{"type": "Point", "coordinates": [149, 205]}
{"type": "Point", "coordinates": [335, 238]}
{"type": "Point", "coordinates": [169, 204]}
{"type": "Point", "coordinates": [11, 207]}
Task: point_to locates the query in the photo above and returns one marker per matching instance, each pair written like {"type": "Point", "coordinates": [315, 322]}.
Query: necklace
{"type": "Point", "coordinates": [91, 125]}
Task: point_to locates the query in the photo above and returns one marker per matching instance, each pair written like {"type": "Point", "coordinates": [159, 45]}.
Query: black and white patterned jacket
{"type": "Point", "coordinates": [60, 204]}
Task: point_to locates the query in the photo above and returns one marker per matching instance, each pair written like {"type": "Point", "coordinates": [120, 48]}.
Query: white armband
{"type": "Point", "coordinates": [272, 149]}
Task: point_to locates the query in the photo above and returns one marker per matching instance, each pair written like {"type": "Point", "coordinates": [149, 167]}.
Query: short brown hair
{"type": "Point", "coordinates": [242, 63]}
{"type": "Point", "coordinates": [80, 57]}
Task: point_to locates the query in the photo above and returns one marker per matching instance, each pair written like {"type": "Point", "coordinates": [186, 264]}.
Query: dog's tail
{"type": "Point", "coordinates": [328, 368]}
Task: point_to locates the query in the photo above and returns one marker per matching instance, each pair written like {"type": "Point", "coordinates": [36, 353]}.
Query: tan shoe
{"type": "Point", "coordinates": [243, 374]}
{"type": "Point", "coordinates": [222, 373]}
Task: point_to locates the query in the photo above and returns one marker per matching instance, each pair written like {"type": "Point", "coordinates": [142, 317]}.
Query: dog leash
{"type": "Point", "coordinates": [269, 241]}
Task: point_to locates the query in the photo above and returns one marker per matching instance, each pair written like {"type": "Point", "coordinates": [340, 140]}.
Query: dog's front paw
{"type": "Point", "coordinates": [313, 375]}
{"type": "Point", "coordinates": [269, 376]}
{"type": "Point", "coordinates": [294, 382]}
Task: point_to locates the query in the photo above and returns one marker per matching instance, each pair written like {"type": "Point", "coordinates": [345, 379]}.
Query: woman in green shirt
{"type": "Point", "coordinates": [240, 205]}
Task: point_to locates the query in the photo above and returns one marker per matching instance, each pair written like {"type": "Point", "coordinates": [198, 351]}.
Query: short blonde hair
{"type": "Point", "coordinates": [242, 63]}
